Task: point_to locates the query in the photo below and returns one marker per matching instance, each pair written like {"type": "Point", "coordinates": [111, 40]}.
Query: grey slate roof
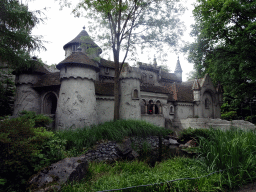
{"type": "Point", "coordinates": [78, 58]}
{"type": "Point", "coordinates": [77, 40]}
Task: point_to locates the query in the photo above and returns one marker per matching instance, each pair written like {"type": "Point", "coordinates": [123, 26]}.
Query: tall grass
{"type": "Point", "coordinates": [117, 130]}
{"type": "Point", "coordinates": [232, 149]}
{"type": "Point", "coordinates": [126, 174]}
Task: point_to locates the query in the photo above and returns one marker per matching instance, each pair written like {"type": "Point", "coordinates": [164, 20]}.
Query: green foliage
{"type": "Point", "coordinates": [16, 23]}
{"type": "Point", "coordinates": [7, 90]}
{"type": "Point", "coordinates": [25, 147]}
{"type": "Point", "coordinates": [228, 149]}
{"type": "Point", "coordinates": [40, 120]}
{"type": "Point", "coordinates": [190, 133]}
{"type": "Point", "coordinates": [20, 145]}
{"type": "Point", "coordinates": [231, 115]}
{"type": "Point", "coordinates": [80, 139]}
{"type": "Point", "coordinates": [225, 32]}
{"type": "Point", "coordinates": [127, 174]}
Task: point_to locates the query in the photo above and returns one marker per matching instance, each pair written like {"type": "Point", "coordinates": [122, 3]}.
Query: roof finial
{"type": "Point", "coordinates": [83, 27]}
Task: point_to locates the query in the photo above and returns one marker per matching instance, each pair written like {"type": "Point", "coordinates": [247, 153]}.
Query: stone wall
{"type": "Point", "coordinates": [181, 124]}
{"type": "Point", "coordinates": [105, 108]}
{"type": "Point", "coordinates": [108, 150]}
{"type": "Point", "coordinates": [157, 119]}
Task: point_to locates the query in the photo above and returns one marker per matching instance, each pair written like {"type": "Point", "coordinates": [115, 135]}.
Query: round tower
{"type": "Point", "coordinates": [130, 93]}
{"type": "Point", "coordinates": [76, 106]}
{"type": "Point", "coordinates": [27, 98]}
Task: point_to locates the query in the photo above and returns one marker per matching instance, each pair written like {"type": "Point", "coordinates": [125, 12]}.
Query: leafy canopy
{"type": "Point", "coordinates": [125, 24]}
{"type": "Point", "coordinates": [16, 23]}
{"type": "Point", "coordinates": [226, 44]}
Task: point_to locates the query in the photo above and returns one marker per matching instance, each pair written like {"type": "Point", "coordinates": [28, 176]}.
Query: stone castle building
{"type": "Point", "coordinates": [81, 92]}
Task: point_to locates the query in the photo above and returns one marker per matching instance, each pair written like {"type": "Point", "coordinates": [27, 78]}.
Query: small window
{"type": "Point", "coordinates": [74, 48]}
{"type": "Point", "coordinates": [171, 110]}
{"type": "Point", "coordinates": [135, 94]}
{"type": "Point", "coordinates": [106, 70]}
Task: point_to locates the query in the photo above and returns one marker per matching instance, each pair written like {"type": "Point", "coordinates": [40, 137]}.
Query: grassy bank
{"type": "Point", "coordinates": [232, 151]}
{"type": "Point", "coordinates": [26, 147]}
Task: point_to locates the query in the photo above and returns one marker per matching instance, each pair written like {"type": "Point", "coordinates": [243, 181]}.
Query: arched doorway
{"type": "Point", "coordinates": [208, 105]}
{"type": "Point", "coordinates": [50, 103]}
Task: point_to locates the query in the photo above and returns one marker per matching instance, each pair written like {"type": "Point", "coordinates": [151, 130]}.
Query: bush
{"type": "Point", "coordinates": [40, 120]}
{"type": "Point", "coordinates": [196, 134]}
{"type": "Point", "coordinates": [231, 115]}
{"type": "Point", "coordinates": [20, 148]}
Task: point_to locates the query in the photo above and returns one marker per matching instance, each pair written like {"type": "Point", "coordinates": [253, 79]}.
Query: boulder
{"type": "Point", "coordinates": [52, 177]}
{"type": "Point", "coordinates": [125, 147]}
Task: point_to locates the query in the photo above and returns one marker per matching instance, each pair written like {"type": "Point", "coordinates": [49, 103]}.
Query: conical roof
{"type": "Point", "coordinates": [78, 58]}
{"type": "Point", "coordinates": [77, 40]}
{"type": "Point", "coordinates": [178, 67]}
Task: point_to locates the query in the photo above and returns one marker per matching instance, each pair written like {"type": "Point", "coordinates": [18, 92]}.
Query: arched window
{"type": "Point", "coordinates": [135, 94]}
{"type": "Point", "coordinates": [158, 108]}
{"type": "Point", "coordinates": [151, 107]}
{"type": "Point", "coordinates": [50, 103]}
{"type": "Point", "coordinates": [171, 110]}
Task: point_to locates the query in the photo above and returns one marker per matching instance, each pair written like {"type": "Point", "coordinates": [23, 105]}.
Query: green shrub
{"type": "Point", "coordinates": [20, 148]}
{"type": "Point", "coordinates": [40, 120]}
{"type": "Point", "coordinates": [231, 115]}
{"type": "Point", "coordinates": [190, 133]}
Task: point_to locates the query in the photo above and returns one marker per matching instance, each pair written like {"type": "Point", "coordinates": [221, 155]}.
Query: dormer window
{"type": "Point", "coordinates": [106, 70]}
{"type": "Point", "coordinates": [74, 48]}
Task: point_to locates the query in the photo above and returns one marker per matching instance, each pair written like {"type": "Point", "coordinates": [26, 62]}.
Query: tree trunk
{"type": "Point", "coordinates": [117, 98]}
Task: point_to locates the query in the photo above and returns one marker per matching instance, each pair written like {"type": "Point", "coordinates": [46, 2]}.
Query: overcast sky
{"type": "Point", "coordinates": [61, 26]}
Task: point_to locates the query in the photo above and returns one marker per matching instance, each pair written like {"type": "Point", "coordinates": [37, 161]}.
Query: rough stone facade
{"type": "Point", "coordinates": [81, 91]}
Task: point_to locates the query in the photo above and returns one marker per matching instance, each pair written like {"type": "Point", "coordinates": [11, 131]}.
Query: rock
{"type": "Point", "coordinates": [132, 155]}
{"type": "Point", "coordinates": [190, 143]}
{"type": "Point", "coordinates": [124, 148]}
{"type": "Point", "coordinates": [52, 177]}
{"type": "Point", "coordinates": [173, 141]}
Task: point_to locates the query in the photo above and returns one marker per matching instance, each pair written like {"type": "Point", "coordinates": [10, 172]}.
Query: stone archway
{"type": "Point", "coordinates": [208, 111]}
{"type": "Point", "coordinates": [49, 103]}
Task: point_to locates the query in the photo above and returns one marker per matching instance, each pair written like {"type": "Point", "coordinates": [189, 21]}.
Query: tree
{"type": "Point", "coordinates": [16, 23]}
{"type": "Point", "coordinates": [16, 43]}
{"type": "Point", "coordinates": [128, 23]}
{"type": "Point", "coordinates": [225, 45]}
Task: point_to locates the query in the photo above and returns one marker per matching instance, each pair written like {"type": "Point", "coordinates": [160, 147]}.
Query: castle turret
{"type": "Point", "coordinates": [27, 98]}
{"type": "Point", "coordinates": [130, 93]}
{"type": "Point", "coordinates": [178, 70]}
{"type": "Point", "coordinates": [76, 106]}
{"type": "Point", "coordinates": [83, 40]}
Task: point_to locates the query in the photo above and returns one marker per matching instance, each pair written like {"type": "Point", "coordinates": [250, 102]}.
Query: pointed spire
{"type": "Point", "coordinates": [84, 28]}
{"type": "Point", "coordinates": [155, 63]}
{"type": "Point", "coordinates": [178, 67]}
